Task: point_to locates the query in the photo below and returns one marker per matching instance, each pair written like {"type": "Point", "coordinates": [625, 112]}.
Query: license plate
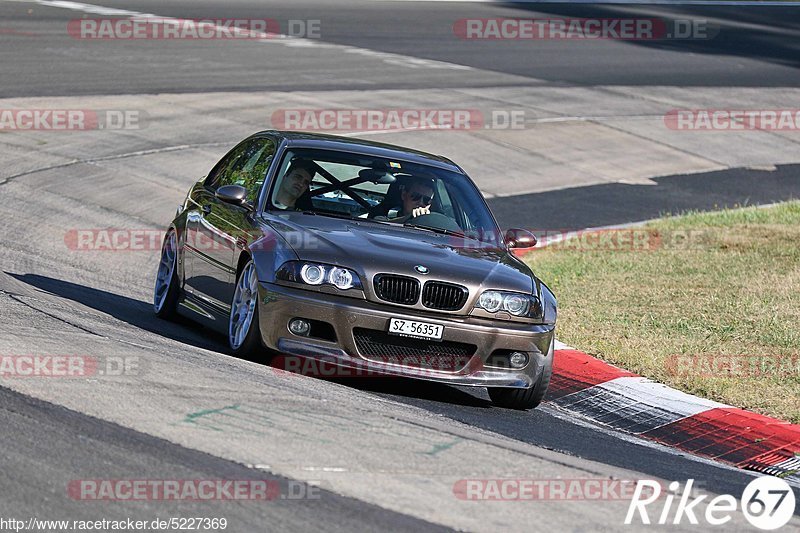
{"type": "Point", "coordinates": [411, 328]}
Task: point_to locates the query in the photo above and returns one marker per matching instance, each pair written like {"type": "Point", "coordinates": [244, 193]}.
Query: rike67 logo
{"type": "Point", "coordinates": [767, 502]}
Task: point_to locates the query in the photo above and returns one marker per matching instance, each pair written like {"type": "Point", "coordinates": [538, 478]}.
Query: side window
{"type": "Point", "coordinates": [247, 166]}
{"type": "Point", "coordinates": [216, 176]}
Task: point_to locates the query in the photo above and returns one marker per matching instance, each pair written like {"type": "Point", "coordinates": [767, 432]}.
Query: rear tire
{"type": "Point", "coordinates": [524, 399]}
{"type": "Point", "coordinates": [167, 288]}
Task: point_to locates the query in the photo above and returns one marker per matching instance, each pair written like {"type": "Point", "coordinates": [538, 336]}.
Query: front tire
{"type": "Point", "coordinates": [524, 399]}
{"type": "Point", "coordinates": [244, 333]}
{"type": "Point", "coordinates": [167, 289]}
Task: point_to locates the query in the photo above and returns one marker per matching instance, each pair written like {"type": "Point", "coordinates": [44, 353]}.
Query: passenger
{"type": "Point", "coordinates": [295, 183]}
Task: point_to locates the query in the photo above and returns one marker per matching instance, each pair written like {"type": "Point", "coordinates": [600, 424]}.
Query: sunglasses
{"type": "Point", "coordinates": [417, 197]}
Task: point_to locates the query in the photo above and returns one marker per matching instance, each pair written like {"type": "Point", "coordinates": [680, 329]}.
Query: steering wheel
{"type": "Point", "coordinates": [436, 221]}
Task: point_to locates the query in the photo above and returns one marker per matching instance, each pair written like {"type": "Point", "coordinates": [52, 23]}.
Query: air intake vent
{"type": "Point", "coordinates": [444, 296]}
{"type": "Point", "coordinates": [381, 347]}
{"type": "Point", "coordinates": [396, 289]}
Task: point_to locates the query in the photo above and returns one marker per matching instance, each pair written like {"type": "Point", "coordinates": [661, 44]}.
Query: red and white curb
{"type": "Point", "coordinates": [633, 404]}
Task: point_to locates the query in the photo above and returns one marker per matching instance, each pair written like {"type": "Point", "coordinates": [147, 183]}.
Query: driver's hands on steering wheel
{"type": "Point", "coordinates": [419, 211]}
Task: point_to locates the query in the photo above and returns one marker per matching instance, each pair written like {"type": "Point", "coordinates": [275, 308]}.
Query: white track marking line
{"type": "Point", "coordinates": [635, 405]}
{"type": "Point", "coordinates": [567, 416]}
{"type": "Point", "coordinates": [561, 346]}
{"type": "Point", "coordinates": [635, 2]}
{"type": "Point", "coordinates": [644, 391]}
{"type": "Point", "coordinates": [93, 160]}
{"type": "Point", "coordinates": [264, 38]}
{"type": "Point", "coordinates": [86, 8]}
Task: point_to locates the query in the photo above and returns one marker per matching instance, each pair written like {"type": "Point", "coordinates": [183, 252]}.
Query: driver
{"type": "Point", "coordinates": [416, 196]}
{"type": "Point", "coordinates": [295, 182]}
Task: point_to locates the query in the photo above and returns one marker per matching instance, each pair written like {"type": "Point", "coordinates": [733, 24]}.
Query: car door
{"type": "Point", "coordinates": [215, 227]}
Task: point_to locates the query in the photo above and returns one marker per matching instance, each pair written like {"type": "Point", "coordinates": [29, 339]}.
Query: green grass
{"type": "Point", "coordinates": [732, 288]}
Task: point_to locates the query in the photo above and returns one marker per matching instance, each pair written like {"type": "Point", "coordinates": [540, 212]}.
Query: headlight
{"type": "Point", "coordinates": [341, 278]}
{"type": "Point", "coordinates": [492, 301]}
{"type": "Point", "coordinates": [517, 304]}
{"type": "Point", "coordinates": [312, 274]}
{"type": "Point", "coordinates": [319, 274]}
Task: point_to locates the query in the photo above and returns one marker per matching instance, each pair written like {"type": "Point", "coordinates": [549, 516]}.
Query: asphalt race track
{"type": "Point", "coordinates": [167, 402]}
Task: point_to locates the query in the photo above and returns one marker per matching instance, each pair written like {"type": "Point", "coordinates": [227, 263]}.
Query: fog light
{"type": "Point", "coordinates": [301, 327]}
{"type": "Point", "coordinates": [518, 359]}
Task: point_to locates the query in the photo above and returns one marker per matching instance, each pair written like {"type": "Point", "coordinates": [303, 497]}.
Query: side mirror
{"type": "Point", "coordinates": [232, 194]}
{"type": "Point", "coordinates": [520, 238]}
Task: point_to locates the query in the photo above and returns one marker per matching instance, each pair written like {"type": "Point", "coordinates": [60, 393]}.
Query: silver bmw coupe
{"type": "Point", "coordinates": [364, 256]}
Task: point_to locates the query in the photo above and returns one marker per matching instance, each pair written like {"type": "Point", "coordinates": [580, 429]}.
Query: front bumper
{"type": "Point", "coordinates": [278, 304]}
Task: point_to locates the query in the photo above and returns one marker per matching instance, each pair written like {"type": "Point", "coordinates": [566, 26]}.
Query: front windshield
{"type": "Point", "coordinates": [356, 186]}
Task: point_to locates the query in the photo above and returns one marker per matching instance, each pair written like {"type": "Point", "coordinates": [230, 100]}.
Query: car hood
{"type": "Point", "coordinates": [370, 248]}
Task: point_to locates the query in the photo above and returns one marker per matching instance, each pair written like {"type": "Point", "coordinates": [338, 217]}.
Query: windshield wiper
{"type": "Point", "coordinates": [347, 217]}
{"type": "Point", "coordinates": [436, 230]}
{"type": "Point", "coordinates": [332, 215]}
